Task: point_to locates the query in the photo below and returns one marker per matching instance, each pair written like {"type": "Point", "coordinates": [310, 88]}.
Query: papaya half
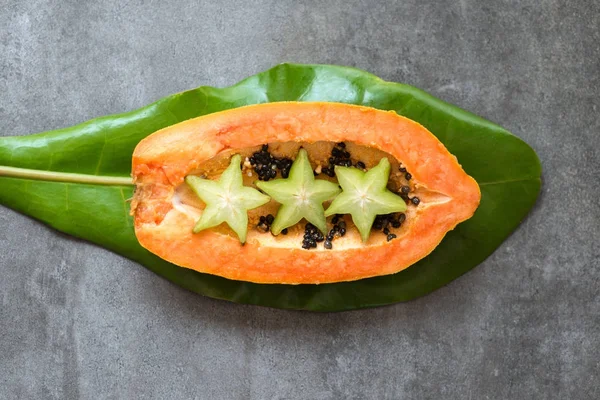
{"type": "Point", "coordinates": [438, 193]}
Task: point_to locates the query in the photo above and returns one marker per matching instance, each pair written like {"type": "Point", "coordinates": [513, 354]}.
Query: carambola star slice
{"type": "Point", "coordinates": [227, 200]}
{"type": "Point", "coordinates": [300, 196]}
{"type": "Point", "coordinates": [365, 195]}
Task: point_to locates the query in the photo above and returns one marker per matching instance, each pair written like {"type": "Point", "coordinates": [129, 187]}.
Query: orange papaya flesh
{"type": "Point", "coordinates": [165, 209]}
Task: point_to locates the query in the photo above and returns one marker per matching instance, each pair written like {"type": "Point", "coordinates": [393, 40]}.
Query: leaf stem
{"type": "Point", "coordinates": [66, 177]}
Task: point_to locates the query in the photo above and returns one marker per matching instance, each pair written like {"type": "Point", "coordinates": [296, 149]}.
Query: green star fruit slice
{"type": "Point", "coordinates": [300, 196]}
{"type": "Point", "coordinates": [227, 200]}
{"type": "Point", "coordinates": [365, 195]}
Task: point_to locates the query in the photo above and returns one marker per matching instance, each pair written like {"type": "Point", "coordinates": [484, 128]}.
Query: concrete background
{"type": "Point", "coordinates": [77, 321]}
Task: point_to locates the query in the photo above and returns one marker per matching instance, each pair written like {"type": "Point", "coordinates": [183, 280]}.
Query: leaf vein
{"type": "Point", "coordinates": [507, 181]}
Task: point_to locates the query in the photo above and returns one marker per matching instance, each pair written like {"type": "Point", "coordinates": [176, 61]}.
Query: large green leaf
{"type": "Point", "coordinates": [507, 169]}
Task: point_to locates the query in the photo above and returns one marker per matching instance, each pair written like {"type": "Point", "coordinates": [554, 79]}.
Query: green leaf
{"type": "Point", "coordinates": [507, 169]}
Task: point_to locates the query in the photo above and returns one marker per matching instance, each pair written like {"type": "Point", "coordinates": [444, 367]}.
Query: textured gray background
{"type": "Point", "coordinates": [77, 321]}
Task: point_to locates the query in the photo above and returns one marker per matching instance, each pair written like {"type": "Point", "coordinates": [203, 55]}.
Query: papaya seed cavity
{"type": "Point", "coordinates": [290, 180]}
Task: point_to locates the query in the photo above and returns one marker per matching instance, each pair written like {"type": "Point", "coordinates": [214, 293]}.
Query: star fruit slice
{"type": "Point", "coordinates": [365, 195]}
{"type": "Point", "coordinates": [300, 196]}
{"type": "Point", "coordinates": [227, 200]}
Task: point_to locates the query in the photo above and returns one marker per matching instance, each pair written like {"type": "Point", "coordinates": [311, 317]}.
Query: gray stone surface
{"type": "Point", "coordinates": [77, 321]}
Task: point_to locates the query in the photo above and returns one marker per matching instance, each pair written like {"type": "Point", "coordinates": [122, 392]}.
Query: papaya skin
{"type": "Point", "coordinates": [162, 161]}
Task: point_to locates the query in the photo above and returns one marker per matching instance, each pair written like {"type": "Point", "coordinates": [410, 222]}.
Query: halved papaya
{"type": "Point", "coordinates": [165, 209]}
